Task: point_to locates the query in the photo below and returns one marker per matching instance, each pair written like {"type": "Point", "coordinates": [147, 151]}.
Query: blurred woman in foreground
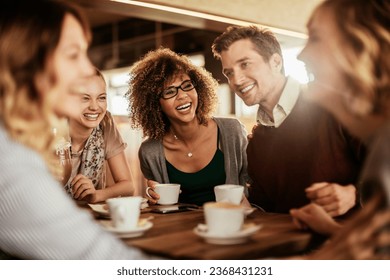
{"type": "Point", "coordinates": [348, 54]}
{"type": "Point", "coordinates": [43, 60]}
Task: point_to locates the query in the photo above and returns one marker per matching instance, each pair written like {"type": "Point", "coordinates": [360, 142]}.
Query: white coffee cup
{"type": "Point", "coordinates": [124, 211]}
{"type": "Point", "coordinates": [229, 193]}
{"type": "Point", "coordinates": [223, 218]}
{"type": "Point", "coordinates": [169, 193]}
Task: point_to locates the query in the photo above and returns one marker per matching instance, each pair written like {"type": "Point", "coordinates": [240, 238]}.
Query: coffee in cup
{"type": "Point", "coordinates": [229, 193]}
{"type": "Point", "coordinates": [223, 218]}
{"type": "Point", "coordinates": [169, 193]}
{"type": "Point", "coordinates": [124, 211]}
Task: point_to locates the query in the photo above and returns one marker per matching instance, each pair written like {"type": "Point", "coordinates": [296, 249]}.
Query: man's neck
{"type": "Point", "coordinates": [268, 105]}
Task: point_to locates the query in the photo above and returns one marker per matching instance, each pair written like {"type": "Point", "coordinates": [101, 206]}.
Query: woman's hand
{"type": "Point", "coordinates": [334, 198]}
{"type": "Point", "coordinates": [316, 218]}
{"type": "Point", "coordinates": [153, 197]}
{"type": "Point", "coordinates": [83, 189]}
{"type": "Point", "coordinates": [360, 237]}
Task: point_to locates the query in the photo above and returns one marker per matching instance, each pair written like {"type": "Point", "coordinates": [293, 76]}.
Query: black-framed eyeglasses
{"type": "Point", "coordinates": [172, 91]}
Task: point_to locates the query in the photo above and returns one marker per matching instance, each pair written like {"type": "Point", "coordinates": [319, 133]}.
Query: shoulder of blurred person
{"type": "Point", "coordinates": [376, 172]}
{"type": "Point", "coordinates": [25, 183]}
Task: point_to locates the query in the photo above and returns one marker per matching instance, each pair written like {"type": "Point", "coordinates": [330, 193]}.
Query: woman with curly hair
{"type": "Point", "coordinates": [172, 100]}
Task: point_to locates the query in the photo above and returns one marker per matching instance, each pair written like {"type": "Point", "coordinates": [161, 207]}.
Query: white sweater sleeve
{"type": "Point", "coordinates": [39, 221]}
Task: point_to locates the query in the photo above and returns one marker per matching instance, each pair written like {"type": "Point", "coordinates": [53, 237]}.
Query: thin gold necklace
{"type": "Point", "coordinates": [189, 154]}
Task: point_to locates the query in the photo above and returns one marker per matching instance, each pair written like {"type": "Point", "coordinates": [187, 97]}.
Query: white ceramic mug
{"type": "Point", "coordinates": [124, 211]}
{"type": "Point", "coordinates": [223, 218]}
{"type": "Point", "coordinates": [229, 193]}
{"type": "Point", "coordinates": [169, 193]}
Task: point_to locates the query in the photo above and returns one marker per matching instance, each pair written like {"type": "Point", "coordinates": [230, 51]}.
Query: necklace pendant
{"type": "Point", "coordinates": [189, 154]}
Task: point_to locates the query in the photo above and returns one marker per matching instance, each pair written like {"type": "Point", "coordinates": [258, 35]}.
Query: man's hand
{"type": "Point", "coordinates": [334, 198]}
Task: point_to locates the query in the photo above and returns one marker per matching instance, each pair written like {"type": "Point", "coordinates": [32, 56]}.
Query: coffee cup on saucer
{"type": "Point", "coordinates": [223, 218]}
{"type": "Point", "coordinates": [124, 211]}
{"type": "Point", "coordinates": [229, 193]}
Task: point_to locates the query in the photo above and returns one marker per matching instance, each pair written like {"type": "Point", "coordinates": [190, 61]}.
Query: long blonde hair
{"type": "Point", "coordinates": [29, 35]}
{"type": "Point", "coordinates": [362, 48]}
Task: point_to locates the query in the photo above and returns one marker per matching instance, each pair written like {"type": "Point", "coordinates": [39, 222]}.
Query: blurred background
{"type": "Point", "coordinates": [124, 30]}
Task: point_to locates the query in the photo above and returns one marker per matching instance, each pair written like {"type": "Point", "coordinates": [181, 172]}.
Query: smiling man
{"type": "Point", "coordinates": [298, 153]}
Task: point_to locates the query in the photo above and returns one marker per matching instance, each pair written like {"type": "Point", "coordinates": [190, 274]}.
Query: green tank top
{"type": "Point", "coordinates": [198, 188]}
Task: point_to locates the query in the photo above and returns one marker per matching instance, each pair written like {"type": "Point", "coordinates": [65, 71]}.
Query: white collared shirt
{"type": "Point", "coordinates": [286, 103]}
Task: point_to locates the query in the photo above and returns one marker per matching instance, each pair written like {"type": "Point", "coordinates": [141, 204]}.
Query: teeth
{"type": "Point", "coordinates": [91, 116]}
{"type": "Point", "coordinates": [184, 106]}
{"type": "Point", "coordinates": [247, 88]}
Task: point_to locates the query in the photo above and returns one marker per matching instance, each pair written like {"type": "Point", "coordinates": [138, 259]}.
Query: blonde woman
{"type": "Point", "coordinates": [348, 54]}
{"type": "Point", "coordinates": [95, 139]}
{"type": "Point", "coordinates": [43, 58]}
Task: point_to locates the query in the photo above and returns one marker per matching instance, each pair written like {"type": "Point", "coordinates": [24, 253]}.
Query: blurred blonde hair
{"type": "Point", "coordinates": [362, 48]}
{"type": "Point", "coordinates": [28, 39]}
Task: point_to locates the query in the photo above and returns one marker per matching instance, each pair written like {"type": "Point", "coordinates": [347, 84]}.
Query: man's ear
{"type": "Point", "coordinates": [276, 62]}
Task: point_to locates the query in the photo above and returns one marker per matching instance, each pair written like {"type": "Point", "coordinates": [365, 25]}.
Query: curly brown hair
{"type": "Point", "coordinates": [150, 75]}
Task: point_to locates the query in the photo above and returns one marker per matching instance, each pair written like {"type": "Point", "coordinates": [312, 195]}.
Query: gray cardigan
{"type": "Point", "coordinates": [232, 140]}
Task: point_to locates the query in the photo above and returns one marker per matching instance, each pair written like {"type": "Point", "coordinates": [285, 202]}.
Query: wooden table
{"type": "Point", "coordinates": [172, 237]}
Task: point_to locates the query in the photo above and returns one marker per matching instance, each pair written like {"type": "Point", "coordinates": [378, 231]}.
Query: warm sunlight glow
{"type": "Point", "coordinates": [294, 67]}
{"type": "Point", "coordinates": [211, 17]}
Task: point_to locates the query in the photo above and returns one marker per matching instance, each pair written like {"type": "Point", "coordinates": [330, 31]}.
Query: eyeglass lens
{"type": "Point", "coordinates": [172, 91]}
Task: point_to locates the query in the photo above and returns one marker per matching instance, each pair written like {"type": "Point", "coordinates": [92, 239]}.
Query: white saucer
{"type": "Point", "coordinates": [102, 209]}
{"type": "Point", "coordinates": [248, 211]}
{"type": "Point", "coordinates": [143, 225]}
{"type": "Point", "coordinates": [144, 203]}
{"type": "Point", "coordinates": [237, 238]}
